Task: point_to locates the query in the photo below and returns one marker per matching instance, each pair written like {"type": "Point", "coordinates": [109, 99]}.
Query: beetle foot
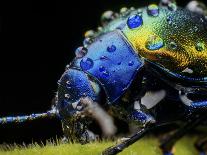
{"type": "Point", "coordinates": [88, 137]}
{"type": "Point", "coordinates": [142, 117]}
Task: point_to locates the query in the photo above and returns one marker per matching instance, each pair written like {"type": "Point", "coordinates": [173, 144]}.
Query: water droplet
{"type": "Point", "coordinates": [67, 96]}
{"type": "Point", "coordinates": [169, 20]}
{"type": "Point", "coordinates": [173, 45]}
{"type": "Point", "coordinates": [123, 10]}
{"type": "Point", "coordinates": [119, 63]}
{"type": "Point", "coordinates": [68, 84]}
{"type": "Point", "coordinates": [87, 41]}
{"type": "Point", "coordinates": [131, 63]}
{"type": "Point", "coordinates": [153, 10]}
{"type": "Point", "coordinates": [104, 58]}
{"type": "Point", "coordinates": [111, 48]}
{"type": "Point", "coordinates": [154, 42]}
{"type": "Point", "coordinates": [172, 6]}
{"type": "Point", "coordinates": [107, 17]}
{"type": "Point", "coordinates": [89, 34]}
{"type": "Point", "coordinates": [134, 21]}
{"type": "Point", "coordinates": [105, 74]}
{"type": "Point", "coordinates": [81, 52]}
{"type": "Point", "coordinates": [102, 69]}
{"type": "Point", "coordinates": [86, 63]}
{"type": "Point", "coordinates": [200, 46]}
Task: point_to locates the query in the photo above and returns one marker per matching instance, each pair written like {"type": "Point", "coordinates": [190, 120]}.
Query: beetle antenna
{"type": "Point", "coordinates": [24, 118]}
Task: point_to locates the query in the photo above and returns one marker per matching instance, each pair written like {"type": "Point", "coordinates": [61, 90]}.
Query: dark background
{"type": "Point", "coordinates": [37, 40]}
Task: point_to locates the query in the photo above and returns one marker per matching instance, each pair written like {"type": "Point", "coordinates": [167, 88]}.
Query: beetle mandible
{"type": "Point", "coordinates": [147, 65]}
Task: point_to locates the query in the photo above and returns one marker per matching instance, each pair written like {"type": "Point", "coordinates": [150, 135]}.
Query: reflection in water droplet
{"type": "Point", "coordinates": [153, 10]}
{"type": "Point", "coordinates": [134, 21]}
{"type": "Point", "coordinates": [80, 52]}
{"type": "Point", "coordinates": [111, 48]}
{"type": "Point", "coordinates": [154, 42]}
{"type": "Point", "coordinates": [131, 63]}
{"type": "Point", "coordinates": [200, 46]}
{"type": "Point", "coordinates": [86, 63]}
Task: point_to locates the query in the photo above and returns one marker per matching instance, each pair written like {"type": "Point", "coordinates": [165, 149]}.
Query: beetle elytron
{"type": "Point", "coordinates": [147, 65]}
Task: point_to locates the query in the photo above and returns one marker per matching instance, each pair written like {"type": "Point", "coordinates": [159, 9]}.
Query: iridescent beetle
{"type": "Point", "coordinates": [147, 65]}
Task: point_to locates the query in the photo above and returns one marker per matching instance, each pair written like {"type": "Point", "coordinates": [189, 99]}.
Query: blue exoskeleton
{"type": "Point", "coordinates": [147, 66]}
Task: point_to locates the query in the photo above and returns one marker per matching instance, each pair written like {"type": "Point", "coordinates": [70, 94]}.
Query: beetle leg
{"type": "Point", "coordinates": [148, 101]}
{"type": "Point", "coordinates": [197, 7]}
{"type": "Point", "coordinates": [201, 145]}
{"type": "Point", "coordinates": [169, 142]}
{"type": "Point", "coordinates": [193, 105]}
{"type": "Point", "coordinates": [123, 145]}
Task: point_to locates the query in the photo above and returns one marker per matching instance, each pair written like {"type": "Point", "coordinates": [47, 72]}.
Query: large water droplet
{"type": "Point", "coordinates": [200, 46]}
{"type": "Point", "coordinates": [153, 10]}
{"type": "Point", "coordinates": [111, 48]}
{"type": "Point", "coordinates": [81, 52]}
{"type": "Point", "coordinates": [134, 21]}
{"type": "Point", "coordinates": [154, 42]}
{"type": "Point", "coordinates": [86, 63]}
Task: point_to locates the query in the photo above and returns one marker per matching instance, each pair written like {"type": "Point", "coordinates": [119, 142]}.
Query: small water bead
{"type": "Point", "coordinates": [105, 74]}
{"type": "Point", "coordinates": [87, 41]}
{"type": "Point", "coordinates": [169, 20]}
{"type": "Point", "coordinates": [119, 63]}
{"type": "Point", "coordinates": [153, 10]}
{"type": "Point", "coordinates": [154, 42]}
{"type": "Point", "coordinates": [131, 63]}
{"type": "Point", "coordinates": [67, 96]}
{"type": "Point", "coordinates": [81, 52]}
{"type": "Point", "coordinates": [134, 21]}
{"type": "Point", "coordinates": [104, 58]}
{"type": "Point", "coordinates": [173, 45]}
{"type": "Point", "coordinates": [172, 6]}
{"type": "Point", "coordinates": [89, 34]}
{"type": "Point", "coordinates": [200, 46]}
{"type": "Point", "coordinates": [68, 84]}
{"type": "Point", "coordinates": [102, 69]}
{"type": "Point", "coordinates": [123, 10]}
{"type": "Point", "coordinates": [111, 48]}
{"type": "Point", "coordinates": [86, 63]}
{"type": "Point", "coordinates": [107, 17]}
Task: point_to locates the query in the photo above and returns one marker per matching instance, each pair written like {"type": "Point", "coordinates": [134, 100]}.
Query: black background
{"type": "Point", "coordinates": [37, 40]}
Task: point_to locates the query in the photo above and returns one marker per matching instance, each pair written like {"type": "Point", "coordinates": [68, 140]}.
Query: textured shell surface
{"type": "Point", "coordinates": [175, 40]}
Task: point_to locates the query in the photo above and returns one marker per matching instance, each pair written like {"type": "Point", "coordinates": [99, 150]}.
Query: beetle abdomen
{"type": "Point", "coordinates": [173, 39]}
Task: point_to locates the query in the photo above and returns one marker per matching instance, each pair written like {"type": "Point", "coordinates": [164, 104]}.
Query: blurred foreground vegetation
{"type": "Point", "coordinates": [146, 146]}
